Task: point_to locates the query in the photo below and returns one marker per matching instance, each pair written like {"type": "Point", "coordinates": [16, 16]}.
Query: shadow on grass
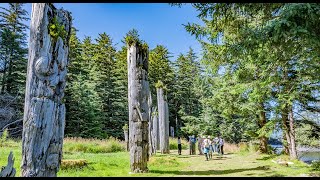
{"type": "Point", "coordinates": [210, 172]}
{"type": "Point", "coordinates": [183, 156]}
{"type": "Point", "coordinates": [276, 175]}
{"type": "Point", "coordinates": [267, 157]}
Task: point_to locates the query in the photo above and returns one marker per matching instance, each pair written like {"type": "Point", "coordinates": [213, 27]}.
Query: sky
{"type": "Point", "coordinates": [157, 23]}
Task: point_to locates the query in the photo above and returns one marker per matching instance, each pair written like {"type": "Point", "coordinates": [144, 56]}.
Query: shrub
{"type": "Point", "coordinates": [315, 165]}
{"type": "Point", "coordinates": [248, 147]}
{"type": "Point", "coordinates": [243, 147]}
{"type": "Point", "coordinates": [173, 143]}
{"type": "Point", "coordinates": [71, 164]}
{"type": "Point", "coordinates": [231, 148]}
{"type": "Point", "coordinates": [5, 141]}
{"type": "Point", "coordinates": [4, 136]}
{"type": "Point", "coordinates": [93, 145]}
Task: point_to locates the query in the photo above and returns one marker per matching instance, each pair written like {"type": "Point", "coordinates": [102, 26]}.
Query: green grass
{"type": "Point", "coordinates": [118, 163]}
{"type": "Point", "coordinates": [93, 145]}
{"type": "Point", "coordinates": [173, 143]}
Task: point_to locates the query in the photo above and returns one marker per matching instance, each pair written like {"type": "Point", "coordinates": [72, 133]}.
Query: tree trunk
{"type": "Point", "coordinates": [285, 129]}
{"type": "Point", "coordinates": [293, 147]}
{"type": "Point", "coordinates": [263, 147]}
{"type": "Point", "coordinates": [44, 111]}
{"type": "Point", "coordinates": [4, 77]}
{"type": "Point", "coordinates": [138, 91]}
{"type": "Point", "coordinates": [163, 124]}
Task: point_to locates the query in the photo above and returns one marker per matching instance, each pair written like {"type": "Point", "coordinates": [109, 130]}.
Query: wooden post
{"type": "Point", "coordinates": [9, 170]}
{"type": "Point", "coordinates": [126, 138]}
{"type": "Point", "coordinates": [138, 91]}
{"type": "Point", "coordinates": [163, 121]}
{"type": "Point", "coordinates": [150, 126]}
{"type": "Point", "coordinates": [44, 111]}
{"type": "Point", "coordinates": [156, 137]}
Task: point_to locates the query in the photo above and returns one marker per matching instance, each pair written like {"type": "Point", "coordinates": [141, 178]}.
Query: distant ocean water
{"type": "Point", "coordinates": [305, 154]}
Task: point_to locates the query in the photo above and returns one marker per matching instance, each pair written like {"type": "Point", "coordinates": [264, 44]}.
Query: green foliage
{"type": "Point", "coordinates": [305, 136]}
{"type": "Point", "coordinates": [13, 50]}
{"type": "Point", "coordinates": [257, 56]}
{"type": "Point", "coordinates": [56, 29]}
{"type": "Point", "coordinates": [173, 143]}
{"type": "Point", "coordinates": [315, 165]}
{"type": "Point", "coordinates": [125, 127]}
{"type": "Point", "coordinates": [132, 37]}
{"type": "Point", "coordinates": [93, 145]}
{"type": "Point", "coordinates": [4, 136]}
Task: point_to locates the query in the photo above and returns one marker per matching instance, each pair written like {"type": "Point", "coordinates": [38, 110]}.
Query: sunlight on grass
{"type": "Point", "coordinates": [97, 163]}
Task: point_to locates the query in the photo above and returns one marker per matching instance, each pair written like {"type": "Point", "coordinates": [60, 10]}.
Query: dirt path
{"type": "Point", "coordinates": [231, 165]}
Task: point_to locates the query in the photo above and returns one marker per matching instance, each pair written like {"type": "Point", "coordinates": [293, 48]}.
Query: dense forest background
{"type": "Point", "coordinates": [259, 72]}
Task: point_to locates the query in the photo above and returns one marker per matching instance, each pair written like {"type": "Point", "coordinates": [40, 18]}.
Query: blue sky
{"type": "Point", "coordinates": [157, 23]}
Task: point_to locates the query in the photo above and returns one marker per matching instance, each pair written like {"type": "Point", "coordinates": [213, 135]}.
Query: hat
{"type": "Point", "coordinates": [209, 137]}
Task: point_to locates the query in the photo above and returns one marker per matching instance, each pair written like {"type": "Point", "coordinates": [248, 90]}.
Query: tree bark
{"type": "Point", "coordinates": [293, 147]}
{"type": "Point", "coordinates": [263, 147]}
{"type": "Point", "coordinates": [44, 111]}
{"type": "Point", "coordinates": [285, 129]}
{"type": "Point", "coordinates": [138, 91]}
{"type": "Point", "coordinates": [163, 122]}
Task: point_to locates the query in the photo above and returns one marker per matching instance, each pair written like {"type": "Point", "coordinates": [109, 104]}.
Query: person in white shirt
{"type": "Point", "coordinates": [206, 145]}
{"type": "Point", "coordinates": [221, 143]}
{"type": "Point", "coordinates": [215, 143]}
{"type": "Point", "coordinates": [179, 145]}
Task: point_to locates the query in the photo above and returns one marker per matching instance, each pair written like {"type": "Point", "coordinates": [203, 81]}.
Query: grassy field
{"type": "Point", "coordinates": [101, 162]}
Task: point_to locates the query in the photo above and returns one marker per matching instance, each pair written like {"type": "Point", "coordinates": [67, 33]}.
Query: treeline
{"type": "Point", "coordinates": [259, 72]}
{"type": "Point", "coordinates": [97, 90]}
{"type": "Point", "coordinates": [263, 70]}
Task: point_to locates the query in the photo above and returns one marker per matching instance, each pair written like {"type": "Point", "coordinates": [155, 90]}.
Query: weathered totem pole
{"type": "Point", "coordinates": [151, 142]}
{"type": "Point", "coordinates": [163, 120]}
{"type": "Point", "coordinates": [155, 130]}
{"type": "Point", "coordinates": [126, 135]}
{"type": "Point", "coordinates": [138, 92]}
{"type": "Point", "coordinates": [44, 111]}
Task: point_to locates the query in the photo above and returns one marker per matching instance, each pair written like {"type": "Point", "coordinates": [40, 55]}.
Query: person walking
{"type": "Point", "coordinates": [210, 147]}
{"type": "Point", "coordinates": [193, 142]}
{"type": "Point", "coordinates": [205, 145]}
{"type": "Point", "coordinates": [221, 143]}
{"type": "Point", "coordinates": [179, 145]}
{"type": "Point", "coordinates": [190, 145]}
{"type": "Point", "coordinates": [216, 147]}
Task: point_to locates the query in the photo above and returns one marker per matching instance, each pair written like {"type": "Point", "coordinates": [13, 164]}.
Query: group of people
{"type": "Point", "coordinates": [206, 145]}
